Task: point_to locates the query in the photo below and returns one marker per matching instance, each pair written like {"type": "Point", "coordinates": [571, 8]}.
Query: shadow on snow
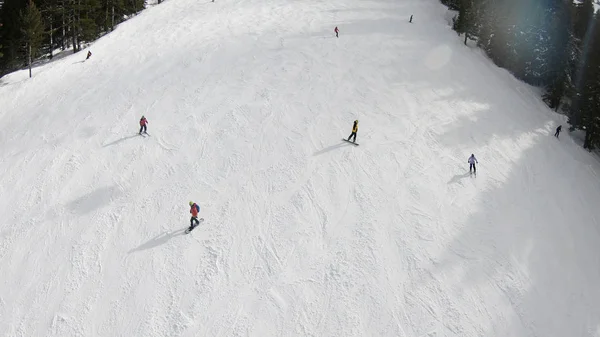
{"type": "Point", "coordinates": [158, 240]}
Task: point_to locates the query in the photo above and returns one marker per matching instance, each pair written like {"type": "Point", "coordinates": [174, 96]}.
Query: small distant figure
{"type": "Point", "coordinates": [558, 130]}
{"type": "Point", "coordinates": [194, 210]}
{"type": "Point", "coordinates": [472, 161]}
{"type": "Point", "coordinates": [143, 122]}
{"type": "Point", "coordinates": [89, 54]}
{"type": "Point", "coordinates": [337, 32]}
{"type": "Point", "coordinates": [410, 21]}
{"type": "Point", "coordinates": [354, 131]}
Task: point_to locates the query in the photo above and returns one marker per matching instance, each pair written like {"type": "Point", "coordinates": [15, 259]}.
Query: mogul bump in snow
{"type": "Point", "coordinates": [354, 131]}
{"type": "Point", "coordinates": [194, 210]}
{"type": "Point", "coordinates": [143, 122]}
{"type": "Point", "coordinates": [472, 160]}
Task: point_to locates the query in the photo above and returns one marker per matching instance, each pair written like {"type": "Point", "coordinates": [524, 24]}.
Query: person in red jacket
{"type": "Point", "coordinates": [336, 30]}
{"type": "Point", "coordinates": [143, 122]}
{"type": "Point", "coordinates": [194, 210]}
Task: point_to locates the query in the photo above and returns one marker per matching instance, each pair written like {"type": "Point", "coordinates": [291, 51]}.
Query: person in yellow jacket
{"type": "Point", "coordinates": [354, 131]}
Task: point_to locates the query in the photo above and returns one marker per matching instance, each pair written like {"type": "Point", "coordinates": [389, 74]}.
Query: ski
{"type": "Point", "coordinates": [346, 140]}
{"type": "Point", "coordinates": [189, 229]}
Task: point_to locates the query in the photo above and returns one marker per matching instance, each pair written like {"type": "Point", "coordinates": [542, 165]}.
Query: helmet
{"type": "Point", "coordinates": [356, 121]}
{"type": "Point", "coordinates": [191, 203]}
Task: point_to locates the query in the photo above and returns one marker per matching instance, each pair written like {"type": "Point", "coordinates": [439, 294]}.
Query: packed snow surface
{"type": "Point", "coordinates": [304, 234]}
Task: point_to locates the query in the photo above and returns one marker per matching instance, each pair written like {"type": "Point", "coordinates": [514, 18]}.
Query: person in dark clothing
{"type": "Point", "coordinates": [337, 31]}
{"type": "Point", "coordinates": [194, 210]}
{"type": "Point", "coordinates": [472, 161]}
{"type": "Point", "coordinates": [89, 54]}
{"type": "Point", "coordinates": [558, 130]}
{"type": "Point", "coordinates": [143, 122]}
{"type": "Point", "coordinates": [354, 131]}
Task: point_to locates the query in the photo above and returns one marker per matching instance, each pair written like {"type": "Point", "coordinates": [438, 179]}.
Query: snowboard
{"type": "Point", "coordinates": [192, 228]}
{"type": "Point", "coordinates": [346, 140]}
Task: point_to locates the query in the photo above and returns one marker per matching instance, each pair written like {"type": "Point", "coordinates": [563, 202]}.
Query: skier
{"type": "Point", "coordinates": [336, 30]}
{"type": "Point", "coordinates": [143, 122]}
{"type": "Point", "coordinates": [472, 160]}
{"type": "Point", "coordinates": [354, 131]}
{"type": "Point", "coordinates": [194, 209]}
{"type": "Point", "coordinates": [558, 130]}
{"type": "Point", "coordinates": [89, 54]}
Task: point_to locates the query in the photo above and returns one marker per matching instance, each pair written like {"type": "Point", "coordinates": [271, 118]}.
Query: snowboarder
{"type": "Point", "coordinates": [472, 160]}
{"type": "Point", "coordinates": [143, 122]}
{"type": "Point", "coordinates": [410, 21]}
{"type": "Point", "coordinates": [194, 209]}
{"type": "Point", "coordinates": [558, 130]}
{"type": "Point", "coordinates": [337, 31]}
{"type": "Point", "coordinates": [354, 131]}
{"type": "Point", "coordinates": [89, 54]}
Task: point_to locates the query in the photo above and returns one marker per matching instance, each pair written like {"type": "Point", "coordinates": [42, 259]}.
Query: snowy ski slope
{"type": "Point", "coordinates": [305, 235]}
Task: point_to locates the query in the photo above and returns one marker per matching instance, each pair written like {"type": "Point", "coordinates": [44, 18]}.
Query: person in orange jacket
{"type": "Point", "coordinates": [194, 210]}
{"type": "Point", "coordinates": [143, 122]}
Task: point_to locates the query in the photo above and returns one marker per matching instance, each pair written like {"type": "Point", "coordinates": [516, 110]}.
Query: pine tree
{"type": "Point", "coordinates": [583, 15]}
{"type": "Point", "coordinates": [0, 44]}
{"type": "Point", "coordinates": [586, 113]}
{"type": "Point", "coordinates": [32, 30]}
{"type": "Point", "coordinates": [489, 25]}
{"type": "Point", "coordinates": [88, 21]}
{"type": "Point", "coordinates": [10, 35]}
{"type": "Point", "coordinates": [65, 24]}
{"type": "Point", "coordinates": [557, 53]}
{"type": "Point", "coordinates": [465, 24]}
{"type": "Point", "coordinates": [51, 14]}
{"type": "Point", "coordinates": [583, 38]}
{"type": "Point", "coordinates": [452, 4]}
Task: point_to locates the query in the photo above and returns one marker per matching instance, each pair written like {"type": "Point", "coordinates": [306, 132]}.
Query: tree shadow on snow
{"type": "Point", "coordinates": [523, 259]}
{"type": "Point", "coordinates": [94, 200]}
{"type": "Point", "coordinates": [530, 234]}
{"type": "Point", "coordinates": [158, 240]}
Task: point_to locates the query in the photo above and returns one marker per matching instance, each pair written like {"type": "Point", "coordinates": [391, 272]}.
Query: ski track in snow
{"type": "Point", "coordinates": [304, 235]}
